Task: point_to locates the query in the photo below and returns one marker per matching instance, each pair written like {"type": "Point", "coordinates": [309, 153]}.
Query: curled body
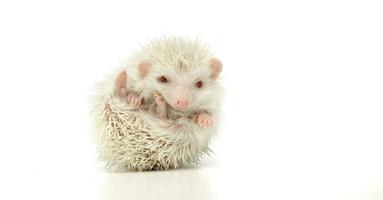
{"type": "Point", "coordinates": [171, 89]}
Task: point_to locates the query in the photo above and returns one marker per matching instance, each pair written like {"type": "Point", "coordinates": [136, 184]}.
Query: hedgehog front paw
{"type": "Point", "coordinates": [161, 105]}
{"type": "Point", "coordinates": [134, 99]}
{"type": "Point", "coordinates": [159, 99]}
{"type": "Point", "coordinates": [204, 120]}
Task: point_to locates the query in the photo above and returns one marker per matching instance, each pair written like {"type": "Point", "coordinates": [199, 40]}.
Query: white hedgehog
{"type": "Point", "coordinates": [136, 130]}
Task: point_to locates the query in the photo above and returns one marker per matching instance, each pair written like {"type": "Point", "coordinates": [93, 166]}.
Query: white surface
{"type": "Point", "coordinates": [303, 112]}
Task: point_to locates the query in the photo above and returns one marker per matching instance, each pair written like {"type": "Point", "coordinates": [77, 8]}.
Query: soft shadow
{"type": "Point", "coordinates": [182, 184]}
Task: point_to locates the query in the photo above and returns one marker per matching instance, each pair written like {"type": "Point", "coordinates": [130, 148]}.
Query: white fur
{"type": "Point", "coordinates": [133, 139]}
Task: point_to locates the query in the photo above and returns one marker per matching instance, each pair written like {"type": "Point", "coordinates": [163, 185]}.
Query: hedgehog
{"type": "Point", "coordinates": [160, 109]}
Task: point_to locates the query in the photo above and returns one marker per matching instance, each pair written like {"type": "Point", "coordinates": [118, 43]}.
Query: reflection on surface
{"type": "Point", "coordinates": [175, 184]}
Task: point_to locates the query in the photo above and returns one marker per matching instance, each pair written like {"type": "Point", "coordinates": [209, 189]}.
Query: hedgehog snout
{"type": "Point", "coordinates": [181, 98]}
{"type": "Point", "coordinates": [182, 104]}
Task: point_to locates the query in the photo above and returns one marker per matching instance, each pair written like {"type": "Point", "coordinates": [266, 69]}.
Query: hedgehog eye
{"type": "Point", "coordinates": [163, 79]}
{"type": "Point", "coordinates": [199, 84]}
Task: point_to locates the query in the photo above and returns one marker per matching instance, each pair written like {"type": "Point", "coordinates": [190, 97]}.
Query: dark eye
{"type": "Point", "coordinates": [163, 79]}
{"type": "Point", "coordinates": [199, 84]}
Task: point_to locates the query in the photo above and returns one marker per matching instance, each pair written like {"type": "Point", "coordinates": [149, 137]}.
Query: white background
{"type": "Point", "coordinates": [303, 110]}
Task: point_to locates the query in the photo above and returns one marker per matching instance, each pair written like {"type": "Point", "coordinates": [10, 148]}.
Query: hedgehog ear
{"type": "Point", "coordinates": [216, 67]}
{"type": "Point", "coordinates": [144, 68]}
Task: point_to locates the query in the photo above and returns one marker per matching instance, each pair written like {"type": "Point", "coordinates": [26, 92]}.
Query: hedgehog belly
{"type": "Point", "coordinates": [133, 140]}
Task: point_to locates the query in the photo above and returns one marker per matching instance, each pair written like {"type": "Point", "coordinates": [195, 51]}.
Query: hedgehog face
{"type": "Point", "coordinates": [177, 88]}
{"type": "Point", "coordinates": [183, 88]}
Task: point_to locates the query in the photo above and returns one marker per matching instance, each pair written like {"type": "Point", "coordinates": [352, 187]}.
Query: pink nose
{"type": "Point", "coordinates": [182, 104]}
